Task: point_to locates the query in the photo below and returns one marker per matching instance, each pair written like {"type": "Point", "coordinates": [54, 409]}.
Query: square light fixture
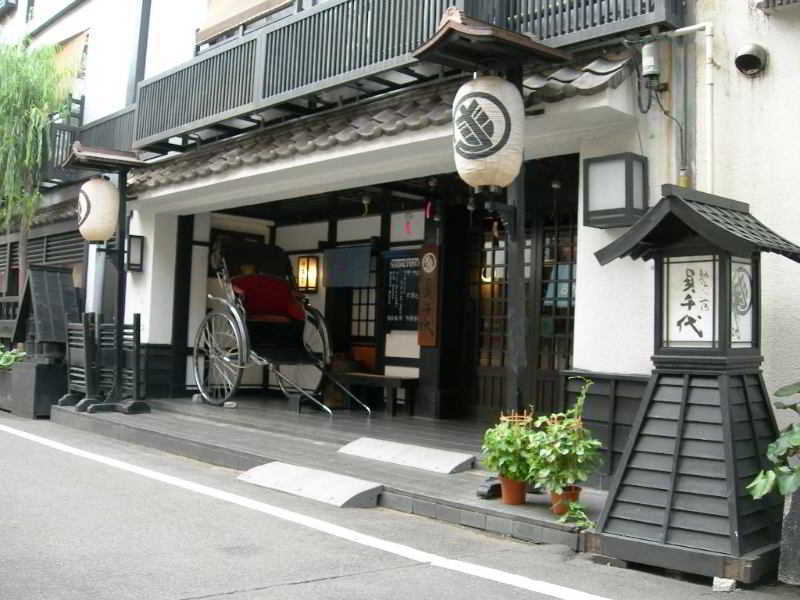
{"type": "Point", "coordinates": [308, 274]}
{"type": "Point", "coordinates": [614, 190]}
{"type": "Point", "coordinates": [134, 253]}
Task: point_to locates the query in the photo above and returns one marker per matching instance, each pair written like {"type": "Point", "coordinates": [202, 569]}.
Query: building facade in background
{"type": "Point", "coordinates": [310, 125]}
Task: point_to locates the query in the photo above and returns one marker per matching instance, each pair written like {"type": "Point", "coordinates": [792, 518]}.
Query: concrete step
{"type": "Point", "coordinates": [410, 455]}
{"type": "Point", "coordinates": [322, 486]}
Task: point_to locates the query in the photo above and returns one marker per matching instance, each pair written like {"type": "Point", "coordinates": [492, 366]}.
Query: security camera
{"type": "Point", "coordinates": [751, 60]}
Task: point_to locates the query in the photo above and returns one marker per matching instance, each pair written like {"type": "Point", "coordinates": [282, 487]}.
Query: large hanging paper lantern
{"type": "Point", "coordinates": [488, 132]}
{"type": "Point", "coordinates": [98, 203]}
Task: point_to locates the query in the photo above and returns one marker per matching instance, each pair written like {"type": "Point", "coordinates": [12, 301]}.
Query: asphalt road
{"type": "Point", "coordinates": [72, 528]}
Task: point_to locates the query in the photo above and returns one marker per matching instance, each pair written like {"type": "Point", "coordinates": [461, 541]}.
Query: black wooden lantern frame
{"type": "Point", "coordinates": [626, 213]}
{"type": "Point", "coordinates": [678, 498]}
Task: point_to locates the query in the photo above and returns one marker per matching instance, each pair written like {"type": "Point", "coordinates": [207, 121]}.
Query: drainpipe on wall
{"type": "Point", "coordinates": [708, 29]}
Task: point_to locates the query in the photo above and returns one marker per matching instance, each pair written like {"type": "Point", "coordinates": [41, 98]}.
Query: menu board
{"type": "Point", "coordinates": [402, 295]}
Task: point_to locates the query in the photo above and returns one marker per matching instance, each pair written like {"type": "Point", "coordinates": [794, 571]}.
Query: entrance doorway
{"type": "Point", "coordinates": [549, 268]}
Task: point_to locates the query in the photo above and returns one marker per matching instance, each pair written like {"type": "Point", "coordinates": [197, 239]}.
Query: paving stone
{"type": "Point", "coordinates": [472, 518]}
{"type": "Point", "coordinates": [555, 536]}
{"type": "Point", "coordinates": [424, 508]}
{"type": "Point", "coordinates": [448, 513]}
{"type": "Point", "coordinates": [526, 531]}
{"type": "Point", "coordinates": [498, 525]}
{"type": "Point", "coordinates": [396, 502]}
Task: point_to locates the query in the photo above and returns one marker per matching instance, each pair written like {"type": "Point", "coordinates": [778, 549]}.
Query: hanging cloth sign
{"type": "Point", "coordinates": [488, 131]}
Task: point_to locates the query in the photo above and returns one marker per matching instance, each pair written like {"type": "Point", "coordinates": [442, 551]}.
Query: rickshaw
{"type": "Point", "coordinates": [261, 319]}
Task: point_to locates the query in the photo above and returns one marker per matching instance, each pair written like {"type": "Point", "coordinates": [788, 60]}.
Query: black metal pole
{"type": "Point", "coordinates": [119, 259]}
{"type": "Point", "coordinates": [517, 322]}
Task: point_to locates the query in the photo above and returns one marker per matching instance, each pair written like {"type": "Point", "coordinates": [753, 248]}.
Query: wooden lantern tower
{"type": "Point", "coordinates": [678, 497]}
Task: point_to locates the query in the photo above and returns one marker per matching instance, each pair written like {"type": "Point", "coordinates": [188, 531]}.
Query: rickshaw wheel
{"type": "Point", "coordinates": [317, 342]}
{"type": "Point", "coordinates": [218, 360]}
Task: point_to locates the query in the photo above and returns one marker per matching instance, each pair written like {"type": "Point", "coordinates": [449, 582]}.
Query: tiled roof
{"type": "Point", "coordinates": [55, 213]}
{"type": "Point", "coordinates": [407, 112]}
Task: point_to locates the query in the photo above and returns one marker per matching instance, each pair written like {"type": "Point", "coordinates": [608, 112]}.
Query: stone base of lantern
{"type": "Point", "coordinates": [678, 499]}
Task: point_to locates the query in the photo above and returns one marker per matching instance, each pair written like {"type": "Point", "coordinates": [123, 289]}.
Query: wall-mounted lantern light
{"type": "Point", "coordinates": [308, 274]}
{"type": "Point", "coordinates": [134, 254]}
{"type": "Point", "coordinates": [614, 190]}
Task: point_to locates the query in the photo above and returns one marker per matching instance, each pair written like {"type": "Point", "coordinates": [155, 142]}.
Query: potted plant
{"type": "Point", "coordinates": [563, 453]}
{"type": "Point", "coordinates": [506, 449]}
{"type": "Point", "coordinates": [7, 360]}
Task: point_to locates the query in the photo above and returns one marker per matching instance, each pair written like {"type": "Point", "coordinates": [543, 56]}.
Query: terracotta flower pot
{"type": "Point", "coordinates": [559, 503]}
{"type": "Point", "coordinates": [512, 491]}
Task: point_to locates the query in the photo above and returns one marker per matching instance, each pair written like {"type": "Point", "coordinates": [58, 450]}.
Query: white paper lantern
{"type": "Point", "coordinates": [488, 131]}
{"type": "Point", "coordinates": [98, 203]}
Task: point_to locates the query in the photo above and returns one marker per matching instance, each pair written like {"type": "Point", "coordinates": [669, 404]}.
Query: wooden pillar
{"type": "Point", "coordinates": [441, 366]}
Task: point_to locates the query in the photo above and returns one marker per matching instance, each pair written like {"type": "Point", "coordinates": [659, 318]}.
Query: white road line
{"type": "Point", "coordinates": [496, 575]}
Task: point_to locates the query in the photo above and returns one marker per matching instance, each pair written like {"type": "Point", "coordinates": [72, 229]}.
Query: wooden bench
{"type": "Point", "coordinates": [390, 383]}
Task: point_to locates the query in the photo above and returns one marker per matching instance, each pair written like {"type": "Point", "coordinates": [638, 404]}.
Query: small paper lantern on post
{"type": "Point", "coordinates": [488, 131]}
{"type": "Point", "coordinates": [98, 204]}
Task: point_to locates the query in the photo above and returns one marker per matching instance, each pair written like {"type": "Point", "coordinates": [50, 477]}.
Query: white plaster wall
{"type": "Point", "coordinates": [756, 155]}
{"type": "Point", "coordinates": [358, 229]}
{"type": "Point", "coordinates": [306, 236]}
{"type": "Point", "coordinates": [173, 24]}
{"type": "Point", "coordinates": [407, 226]}
{"type": "Point", "coordinates": [151, 291]}
{"type": "Point", "coordinates": [615, 302]}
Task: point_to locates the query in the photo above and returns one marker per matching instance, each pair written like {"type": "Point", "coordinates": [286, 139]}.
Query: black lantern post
{"type": "Point", "coordinates": [112, 161]}
{"type": "Point", "coordinates": [678, 497]}
{"type": "Point", "coordinates": [484, 127]}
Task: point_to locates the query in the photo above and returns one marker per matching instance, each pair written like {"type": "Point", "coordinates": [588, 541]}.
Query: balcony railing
{"type": "Point", "coordinates": [62, 136]}
{"type": "Point", "coordinates": [336, 52]}
{"type": "Point", "coordinates": [114, 131]}
{"type": "Point", "coordinates": [770, 5]}
{"type": "Point", "coordinates": [566, 22]}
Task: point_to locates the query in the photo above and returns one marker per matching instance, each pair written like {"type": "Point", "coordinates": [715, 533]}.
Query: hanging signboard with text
{"type": "Point", "coordinates": [402, 289]}
{"type": "Point", "coordinates": [428, 326]}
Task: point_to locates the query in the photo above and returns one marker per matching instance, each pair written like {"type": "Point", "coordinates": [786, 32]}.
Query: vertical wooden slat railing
{"type": "Point", "coordinates": [339, 41]}
{"type": "Point", "coordinates": [114, 131]}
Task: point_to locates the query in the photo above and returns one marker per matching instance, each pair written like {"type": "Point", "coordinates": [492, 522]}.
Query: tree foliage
{"type": "Point", "coordinates": [32, 89]}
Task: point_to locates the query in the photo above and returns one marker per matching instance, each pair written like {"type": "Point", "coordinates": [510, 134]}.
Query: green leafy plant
{"type": "Point", "coordinates": [33, 90]}
{"type": "Point", "coordinates": [784, 453]}
{"type": "Point", "coordinates": [506, 449]}
{"type": "Point", "coordinates": [563, 452]}
{"type": "Point", "coordinates": [9, 357]}
{"type": "Point", "coordinates": [576, 514]}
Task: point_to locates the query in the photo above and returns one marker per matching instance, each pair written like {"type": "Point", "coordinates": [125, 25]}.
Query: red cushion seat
{"type": "Point", "coordinates": [265, 295]}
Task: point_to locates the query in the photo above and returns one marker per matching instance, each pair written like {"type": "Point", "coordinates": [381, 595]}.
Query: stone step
{"type": "Point", "coordinates": [323, 486]}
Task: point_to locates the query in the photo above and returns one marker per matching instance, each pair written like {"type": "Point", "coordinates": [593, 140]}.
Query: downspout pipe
{"type": "Point", "coordinates": [708, 29]}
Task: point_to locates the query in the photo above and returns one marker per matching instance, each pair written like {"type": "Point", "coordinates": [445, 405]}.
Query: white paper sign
{"type": "Point", "coordinates": [690, 301]}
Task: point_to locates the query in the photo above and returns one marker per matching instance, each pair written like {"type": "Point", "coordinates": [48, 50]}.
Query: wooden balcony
{"type": "Point", "coordinates": [336, 53]}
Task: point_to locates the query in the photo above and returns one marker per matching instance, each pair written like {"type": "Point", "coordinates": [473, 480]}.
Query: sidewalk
{"type": "Point", "coordinates": [249, 436]}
